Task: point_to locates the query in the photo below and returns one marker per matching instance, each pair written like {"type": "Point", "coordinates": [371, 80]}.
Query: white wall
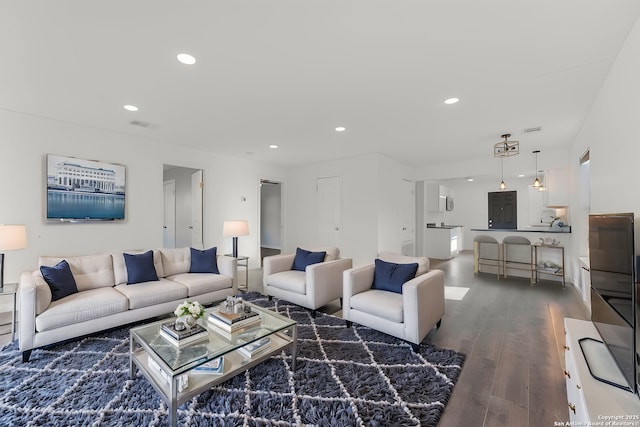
{"type": "Point", "coordinates": [610, 134]}
{"type": "Point", "coordinates": [25, 140]}
{"type": "Point", "coordinates": [372, 203]}
{"type": "Point", "coordinates": [390, 174]}
{"type": "Point", "coordinates": [360, 204]}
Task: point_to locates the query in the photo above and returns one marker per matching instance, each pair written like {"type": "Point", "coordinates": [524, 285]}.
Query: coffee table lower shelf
{"type": "Point", "coordinates": [234, 364]}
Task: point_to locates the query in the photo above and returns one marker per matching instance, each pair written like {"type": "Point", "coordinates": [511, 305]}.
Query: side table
{"type": "Point", "coordinates": [243, 261]}
{"type": "Point", "coordinates": [11, 289]}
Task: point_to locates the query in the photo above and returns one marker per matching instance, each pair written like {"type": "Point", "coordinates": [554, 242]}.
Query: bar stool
{"type": "Point", "coordinates": [488, 256]}
{"type": "Point", "coordinates": [514, 259]}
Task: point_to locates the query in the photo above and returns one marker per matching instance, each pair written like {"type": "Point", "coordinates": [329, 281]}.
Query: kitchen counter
{"type": "Point", "coordinates": [444, 227]}
{"type": "Point", "coordinates": [558, 230]}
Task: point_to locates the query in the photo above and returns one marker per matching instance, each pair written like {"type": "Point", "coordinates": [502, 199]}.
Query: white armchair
{"type": "Point", "coordinates": [317, 285]}
{"type": "Point", "coordinates": [409, 315]}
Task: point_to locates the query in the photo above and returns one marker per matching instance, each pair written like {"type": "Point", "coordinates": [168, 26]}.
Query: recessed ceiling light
{"type": "Point", "coordinates": [131, 107]}
{"type": "Point", "coordinates": [341, 129]}
{"type": "Point", "coordinates": [451, 100]}
{"type": "Point", "coordinates": [521, 175]}
{"type": "Point", "coordinates": [469, 179]}
{"type": "Point", "coordinates": [187, 59]}
{"type": "Point", "coordinates": [273, 146]}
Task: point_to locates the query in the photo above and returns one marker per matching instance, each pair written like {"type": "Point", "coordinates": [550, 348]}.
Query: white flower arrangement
{"type": "Point", "coordinates": [187, 308]}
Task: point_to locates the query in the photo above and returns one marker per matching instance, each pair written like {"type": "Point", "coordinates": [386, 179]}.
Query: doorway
{"type": "Point", "coordinates": [270, 218]}
{"type": "Point", "coordinates": [169, 219]}
{"type": "Point", "coordinates": [503, 210]}
{"type": "Point", "coordinates": [184, 211]}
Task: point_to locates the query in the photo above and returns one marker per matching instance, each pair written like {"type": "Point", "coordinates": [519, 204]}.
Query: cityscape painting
{"type": "Point", "coordinates": [84, 190]}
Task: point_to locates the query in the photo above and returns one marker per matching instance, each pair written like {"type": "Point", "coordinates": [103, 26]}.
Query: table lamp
{"type": "Point", "coordinates": [235, 229]}
{"type": "Point", "coordinates": [12, 237]}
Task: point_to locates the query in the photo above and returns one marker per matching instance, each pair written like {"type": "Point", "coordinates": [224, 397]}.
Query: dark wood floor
{"type": "Point", "coordinates": [512, 334]}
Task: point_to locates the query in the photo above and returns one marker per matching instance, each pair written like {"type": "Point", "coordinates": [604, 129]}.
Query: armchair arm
{"type": "Point", "coordinates": [27, 310]}
{"type": "Point", "coordinates": [276, 264]}
{"type": "Point", "coordinates": [423, 301]}
{"type": "Point", "coordinates": [228, 266]}
{"type": "Point", "coordinates": [354, 281]}
{"type": "Point", "coordinates": [358, 279]}
{"type": "Point", "coordinates": [324, 280]}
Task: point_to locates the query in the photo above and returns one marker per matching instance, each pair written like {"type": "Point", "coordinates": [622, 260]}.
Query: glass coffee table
{"type": "Point", "coordinates": [168, 368]}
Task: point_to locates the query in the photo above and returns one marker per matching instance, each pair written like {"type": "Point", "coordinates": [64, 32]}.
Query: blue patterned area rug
{"type": "Point", "coordinates": [345, 377]}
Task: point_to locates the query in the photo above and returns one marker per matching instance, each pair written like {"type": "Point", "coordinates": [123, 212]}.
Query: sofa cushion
{"type": "Point", "coordinates": [202, 283]}
{"type": "Point", "coordinates": [175, 261]}
{"type": "Point", "coordinates": [59, 279]}
{"type": "Point", "coordinates": [80, 307]}
{"type": "Point", "coordinates": [204, 261]}
{"type": "Point", "coordinates": [120, 268]}
{"type": "Point", "coordinates": [389, 276]}
{"type": "Point", "coordinates": [140, 268]}
{"type": "Point", "coordinates": [89, 271]}
{"type": "Point", "coordinates": [290, 280]}
{"type": "Point", "coordinates": [423, 262]}
{"type": "Point", "coordinates": [304, 258]}
{"type": "Point", "coordinates": [152, 293]}
{"type": "Point", "coordinates": [387, 305]}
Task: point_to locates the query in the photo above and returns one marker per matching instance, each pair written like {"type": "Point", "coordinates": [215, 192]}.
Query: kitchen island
{"type": "Point", "coordinates": [442, 241]}
{"type": "Point", "coordinates": [549, 246]}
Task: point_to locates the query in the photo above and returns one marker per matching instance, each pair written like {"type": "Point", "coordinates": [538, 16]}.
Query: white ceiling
{"type": "Point", "coordinates": [288, 72]}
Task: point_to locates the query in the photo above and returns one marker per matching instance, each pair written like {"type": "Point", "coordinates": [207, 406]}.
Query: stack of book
{"type": "Point", "coordinates": [186, 336]}
{"type": "Point", "coordinates": [212, 367]}
{"type": "Point", "coordinates": [255, 347]}
{"type": "Point", "coordinates": [233, 322]}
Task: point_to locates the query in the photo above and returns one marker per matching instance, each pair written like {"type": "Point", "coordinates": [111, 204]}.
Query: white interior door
{"type": "Point", "coordinates": [329, 209]}
{"type": "Point", "coordinates": [197, 186]}
{"type": "Point", "coordinates": [169, 227]}
{"type": "Point", "coordinates": [408, 217]}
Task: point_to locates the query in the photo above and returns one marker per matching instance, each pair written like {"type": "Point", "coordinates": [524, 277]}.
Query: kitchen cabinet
{"type": "Point", "coordinates": [556, 187]}
{"type": "Point", "coordinates": [442, 242]}
{"type": "Point", "coordinates": [589, 400]}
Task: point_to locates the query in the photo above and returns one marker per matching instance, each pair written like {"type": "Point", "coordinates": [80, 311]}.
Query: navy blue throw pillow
{"type": "Point", "coordinates": [204, 261]}
{"type": "Point", "coordinates": [390, 277]}
{"type": "Point", "coordinates": [140, 268]}
{"type": "Point", "coordinates": [304, 258]}
{"type": "Point", "coordinates": [60, 280]}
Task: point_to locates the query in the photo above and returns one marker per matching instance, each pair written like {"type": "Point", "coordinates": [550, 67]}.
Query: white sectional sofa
{"type": "Point", "coordinates": [104, 299]}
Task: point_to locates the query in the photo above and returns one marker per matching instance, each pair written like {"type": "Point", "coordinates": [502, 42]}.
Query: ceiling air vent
{"type": "Point", "coordinates": [532, 130]}
{"type": "Point", "coordinates": [141, 124]}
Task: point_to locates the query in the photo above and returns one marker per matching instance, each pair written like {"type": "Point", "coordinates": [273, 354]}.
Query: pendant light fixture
{"type": "Point", "coordinates": [506, 148]}
{"type": "Point", "coordinates": [537, 183]}
{"type": "Point", "coordinates": [503, 186]}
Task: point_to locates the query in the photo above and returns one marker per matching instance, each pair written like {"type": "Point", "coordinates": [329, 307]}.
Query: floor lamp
{"type": "Point", "coordinates": [12, 237]}
{"type": "Point", "coordinates": [235, 229]}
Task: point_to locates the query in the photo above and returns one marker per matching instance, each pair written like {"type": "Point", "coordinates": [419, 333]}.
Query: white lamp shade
{"type": "Point", "coordinates": [235, 228]}
{"type": "Point", "coordinates": [13, 237]}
